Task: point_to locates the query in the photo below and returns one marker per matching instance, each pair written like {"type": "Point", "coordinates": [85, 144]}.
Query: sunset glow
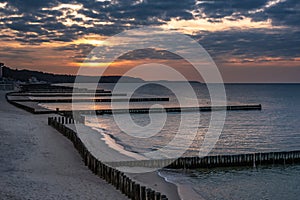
{"type": "Point", "coordinates": [57, 37]}
{"type": "Point", "coordinates": [195, 26]}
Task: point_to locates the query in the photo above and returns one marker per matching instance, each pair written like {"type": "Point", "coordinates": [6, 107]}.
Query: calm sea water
{"type": "Point", "coordinates": [275, 128]}
{"type": "Point", "coordinates": [276, 183]}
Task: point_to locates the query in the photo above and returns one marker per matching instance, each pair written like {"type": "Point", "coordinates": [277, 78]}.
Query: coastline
{"type": "Point", "coordinates": [157, 182]}
{"type": "Point", "coordinates": [99, 142]}
{"type": "Point", "coordinates": [36, 162]}
{"type": "Point", "coordinates": [185, 192]}
{"type": "Point", "coordinates": [46, 164]}
{"type": "Point", "coordinates": [151, 179]}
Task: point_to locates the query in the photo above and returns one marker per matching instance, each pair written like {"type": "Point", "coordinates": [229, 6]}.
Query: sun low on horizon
{"type": "Point", "coordinates": [250, 41]}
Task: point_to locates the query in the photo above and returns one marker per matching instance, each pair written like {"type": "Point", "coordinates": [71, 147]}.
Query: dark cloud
{"type": "Point", "coordinates": [286, 13]}
{"type": "Point", "coordinates": [150, 54]}
{"type": "Point", "coordinates": [34, 22]}
{"type": "Point", "coordinates": [14, 53]}
{"type": "Point", "coordinates": [120, 13]}
{"type": "Point", "coordinates": [30, 5]}
{"type": "Point", "coordinates": [251, 44]}
{"type": "Point", "coordinates": [283, 13]}
{"type": "Point", "coordinates": [80, 51]}
{"type": "Point", "coordinates": [163, 10]}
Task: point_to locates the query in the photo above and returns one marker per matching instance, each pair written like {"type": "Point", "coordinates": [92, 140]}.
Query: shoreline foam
{"type": "Point", "coordinates": [185, 192]}
{"type": "Point", "coordinates": [113, 144]}
{"type": "Point", "coordinates": [150, 179]}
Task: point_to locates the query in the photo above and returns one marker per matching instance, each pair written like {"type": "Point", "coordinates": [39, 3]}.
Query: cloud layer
{"type": "Point", "coordinates": [232, 31]}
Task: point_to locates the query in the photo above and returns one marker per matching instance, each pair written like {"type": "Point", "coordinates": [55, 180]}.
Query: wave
{"type": "Point", "coordinates": [112, 142]}
{"type": "Point", "coordinates": [184, 186]}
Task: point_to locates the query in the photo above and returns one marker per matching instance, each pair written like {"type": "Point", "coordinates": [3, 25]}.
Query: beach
{"type": "Point", "coordinates": [41, 155]}
{"type": "Point", "coordinates": [150, 100]}
{"type": "Point", "coordinates": [36, 162]}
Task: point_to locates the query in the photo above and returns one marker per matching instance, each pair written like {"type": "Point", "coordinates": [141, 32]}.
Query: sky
{"type": "Point", "coordinates": [249, 40]}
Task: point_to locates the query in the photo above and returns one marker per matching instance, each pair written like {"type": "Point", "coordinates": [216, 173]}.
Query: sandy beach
{"type": "Point", "coordinates": [105, 149]}
{"type": "Point", "coordinates": [36, 162]}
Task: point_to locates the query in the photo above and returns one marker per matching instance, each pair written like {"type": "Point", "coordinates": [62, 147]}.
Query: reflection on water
{"type": "Point", "coordinates": [277, 182]}
{"type": "Point", "coordinates": [275, 128]}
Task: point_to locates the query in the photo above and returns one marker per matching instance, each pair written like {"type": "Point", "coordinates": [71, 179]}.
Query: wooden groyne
{"type": "Point", "coordinates": [135, 191]}
{"type": "Point", "coordinates": [240, 160]}
{"type": "Point", "coordinates": [70, 100]}
{"type": "Point", "coordinates": [177, 109]}
{"type": "Point", "coordinates": [6, 87]}
{"type": "Point", "coordinates": [217, 161]}
{"type": "Point", "coordinates": [50, 88]}
{"type": "Point", "coordinates": [118, 179]}
{"type": "Point", "coordinates": [67, 94]}
{"type": "Point", "coordinates": [34, 109]}
{"type": "Point", "coordinates": [161, 110]}
{"type": "Point", "coordinates": [167, 109]}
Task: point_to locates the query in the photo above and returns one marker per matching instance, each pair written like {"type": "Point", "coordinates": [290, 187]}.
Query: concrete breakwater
{"type": "Point", "coordinates": [118, 179]}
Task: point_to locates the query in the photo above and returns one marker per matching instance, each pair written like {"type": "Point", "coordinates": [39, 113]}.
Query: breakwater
{"type": "Point", "coordinates": [31, 107]}
{"type": "Point", "coordinates": [118, 179]}
{"type": "Point", "coordinates": [178, 109]}
{"type": "Point", "coordinates": [70, 100]}
{"type": "Point", "coordinates": [162, 110]}
{"type": "Point", "coordinates": [66, 94]}
{"type": "Point", "coordinates": [129, 187]}
{"type": "Point", "coordinates": [6, 87]}
{"type": "Point", "coordinates": [239, 160]}
{"type": "Point", "coordinates": [34, 107]}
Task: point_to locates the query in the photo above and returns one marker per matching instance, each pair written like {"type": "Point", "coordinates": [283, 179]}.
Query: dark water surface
{"type": "Point", "coordinates": [275, 128]}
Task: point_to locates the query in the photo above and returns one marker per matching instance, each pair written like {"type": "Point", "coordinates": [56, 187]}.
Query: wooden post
{"type": "Point", "coordinates": [148, 193]}
{"type": "Point", "coordinates": [133, 194]}
{"type": "Point", "coordinates": [137, 192]}
{"type": "Point", "coordinates": [152, 195]}
{"type": "Point", "coordinates": [127, 186]}
{"type": "Point", "coordinates": [157, 196]}
{"type": "Point", "coordinates": [118, 180]}
{"type": "Point", "coordinates": [124, 184]}
{"type": "Point", "coordinates": [143, 193]}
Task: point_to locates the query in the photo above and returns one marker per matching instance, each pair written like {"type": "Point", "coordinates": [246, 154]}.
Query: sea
{"type": "Point", "coordinates": [274, 128]}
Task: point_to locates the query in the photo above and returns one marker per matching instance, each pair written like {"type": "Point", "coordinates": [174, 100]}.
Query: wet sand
{"type": "Point", "coordinates": [107, 150]}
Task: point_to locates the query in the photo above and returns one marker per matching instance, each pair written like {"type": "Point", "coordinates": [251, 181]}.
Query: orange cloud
{"type": "Point", "coordinates": [262, 61]}
{"type": "Point", "coordinates": [199, 24]}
